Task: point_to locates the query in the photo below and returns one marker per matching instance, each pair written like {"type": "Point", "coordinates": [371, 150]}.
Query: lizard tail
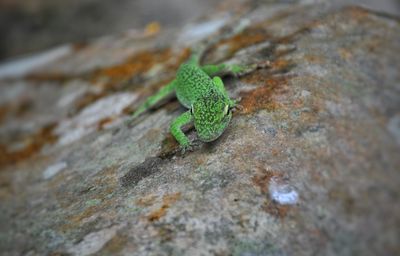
{"type": "Point", "coordinates": [197, 54]}
{"type": "Point", "coordinates": [195, 58]}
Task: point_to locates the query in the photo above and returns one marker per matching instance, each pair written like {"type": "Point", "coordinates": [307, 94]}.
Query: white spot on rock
{"type": "Point", "coordinates": [53, 170]}
{"type": "Point", "coordinates": [316, 70]}
{"type": "Point", "coordinates": [198, 31]}
{"type": "Point", "coordinates": [93, 242]}
{"type": "Point", "coordinates": [282, 193]}
{"type": "Point", "coordinates": [74, 134]}
{"type": "Point", "coordinates": [305, 93]}
{"type": "Point", "coordinates": [73, 91]}
{"type": "Point", "coordinates": [86, 121]}
{"type": "Point", "coordinates": [23, 66]}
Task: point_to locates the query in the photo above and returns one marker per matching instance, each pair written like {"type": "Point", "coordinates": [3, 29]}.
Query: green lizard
{"type": "Point", "coordinates": [203, 94]}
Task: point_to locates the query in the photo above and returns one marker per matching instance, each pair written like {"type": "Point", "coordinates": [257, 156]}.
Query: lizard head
{"type": "Point", "coordinates": [211, 114]}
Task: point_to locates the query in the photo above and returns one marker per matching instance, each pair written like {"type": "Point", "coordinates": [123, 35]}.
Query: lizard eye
{"type": "Point", "coordinates": [226, 110]}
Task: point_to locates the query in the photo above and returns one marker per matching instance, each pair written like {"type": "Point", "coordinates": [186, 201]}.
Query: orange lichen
{"type": "Point", "coordinates": [162, 211]}
{"type": "Point", "coordinates": [15, 108]}
{"type": "Point", "coordinates": [245, 39]}
{"type": "Point", "coordinates": [116, 75]}
{"type": "Point", "coordinates": [139, 63]}
{"type": "Point", "coordinates": [146, 200]}
{"type": "Point", "coordinates": [172, 198]}
{"type": "Point", "coordinates": [183, 56]}
{"type": "Point", "coordinates": [275, 209]}
{"type": "Point", "coordinates": [262, 181]}
{"type": "Point", "coordinates": [152, 29]}
{"type": "Point", "coordinates": [105, 121]}
{"type": "Point", "coordinates": [121, 75]}
{"type": "Point", "coordinates": [156, 215]}
{"type": "Point", "coordinates": [263, 177]}
{"type": "Point", "coordinates": [79, 219]}
{"type": "Point", "coordinates": [262, 97]}
{"type": "Point", "coordinates": [85, 214]}
{"type": "Point", "coordinates": [79, 46]}
{"type": "Point", "coordinates": [280, 64]}
{"type": "Point", "coordinates": [34, 144]}
{"type": "Point", "coordinates": [357, 12]}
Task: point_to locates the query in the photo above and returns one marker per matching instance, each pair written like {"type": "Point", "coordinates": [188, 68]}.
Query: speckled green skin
{"type": "Point", "coordinates": [206, 98]}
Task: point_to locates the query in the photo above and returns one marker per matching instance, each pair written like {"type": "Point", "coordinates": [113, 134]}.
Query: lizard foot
{"type": "Point", "coordinates": [186, 148]}
{"type": "Point", "coordinates": [234, 105]}
{"type": "Point", "coordinates": [191, 147]}
{"type": "Point", "coordinates": [237, 107]}
{"type": "Point", "coordinates": [241, 70]}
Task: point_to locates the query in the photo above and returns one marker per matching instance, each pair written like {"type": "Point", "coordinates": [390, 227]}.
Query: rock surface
{"type": "Point", "coordinates": [309, 166]}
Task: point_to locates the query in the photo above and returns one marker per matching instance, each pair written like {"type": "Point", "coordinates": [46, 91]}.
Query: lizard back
{"type": "Point", "coordinates": [192, 82]}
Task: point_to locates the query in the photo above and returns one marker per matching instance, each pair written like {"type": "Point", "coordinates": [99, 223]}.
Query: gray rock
{"type": "Point", "coordinates": [309, 166]}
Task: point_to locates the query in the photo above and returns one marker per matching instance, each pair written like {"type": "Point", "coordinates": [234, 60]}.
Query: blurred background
{"type": "Point", "coordinates": [28, 26]}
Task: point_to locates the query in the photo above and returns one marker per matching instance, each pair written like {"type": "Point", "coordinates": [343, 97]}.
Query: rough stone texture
{"type": "Point", "coordinates": [309, 166]}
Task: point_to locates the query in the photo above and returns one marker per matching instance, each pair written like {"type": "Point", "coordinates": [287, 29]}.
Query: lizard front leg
{"type": "Point", "coordinates": [222, 69]}
{"type": "Point", "coordinates": [176, 130]}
